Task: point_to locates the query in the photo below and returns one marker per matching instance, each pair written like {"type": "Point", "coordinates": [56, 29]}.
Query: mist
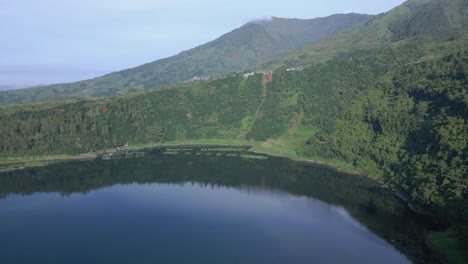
{"type": "Point", "coordinates": [24, 76]}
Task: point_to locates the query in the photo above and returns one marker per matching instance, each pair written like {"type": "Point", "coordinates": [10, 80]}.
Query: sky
{"type": "Point", "coordinates": [54, 41]}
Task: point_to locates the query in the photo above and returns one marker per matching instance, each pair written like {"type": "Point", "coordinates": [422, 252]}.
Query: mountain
{"type": "Point", "coordinates": [414, 18]}
{"type": "Point", "coordinates": [386, 98]}
{"type": "Point", "coordinates": [254, 43]}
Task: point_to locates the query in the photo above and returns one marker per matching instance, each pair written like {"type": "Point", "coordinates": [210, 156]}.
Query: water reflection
{"type": "Point", "coordinates": [283, 200]}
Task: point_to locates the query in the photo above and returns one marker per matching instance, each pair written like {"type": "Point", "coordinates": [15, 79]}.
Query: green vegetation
{"type": "Point", "coordinates": [439, 19]}
{"type": "Point", "coordinates": [243, 48]}
{"type": "Point", "coordinates": [448, 242]}
{"type": "Point", "coordinates": [393, 106]}
{"type": "Point", "coordinates": [375, 111]}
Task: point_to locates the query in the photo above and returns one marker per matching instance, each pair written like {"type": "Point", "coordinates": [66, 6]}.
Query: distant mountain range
{"type": "Point", "coordinates": [5, 87]}
{"type": "Point", "coordinates": [252, 44]}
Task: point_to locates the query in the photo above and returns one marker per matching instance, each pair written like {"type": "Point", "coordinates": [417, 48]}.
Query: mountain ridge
{"type": "Point", "coordinates": [413, 18]}
{"type": "Point", "coordinates": [238, 50]}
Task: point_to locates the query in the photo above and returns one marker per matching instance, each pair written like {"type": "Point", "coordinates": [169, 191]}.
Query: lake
{"type": "Point", "coordinates": [195, 208]}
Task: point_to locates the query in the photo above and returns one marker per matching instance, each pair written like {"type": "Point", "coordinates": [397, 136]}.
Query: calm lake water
{"type": "Point", "coordinates": [200, 209]}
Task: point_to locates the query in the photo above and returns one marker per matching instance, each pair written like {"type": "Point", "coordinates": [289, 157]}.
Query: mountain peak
{"type": "Point", "coordinates": [413, 18]}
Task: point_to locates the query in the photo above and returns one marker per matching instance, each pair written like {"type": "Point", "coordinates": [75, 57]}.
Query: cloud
{"type": "Point", "coordinates": [261, 19]}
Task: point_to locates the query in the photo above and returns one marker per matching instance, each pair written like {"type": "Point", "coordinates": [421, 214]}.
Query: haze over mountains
{"type": "Point", "coordinates": [252, 44]}
{"type": "Point", "coordinates": [5, 87]}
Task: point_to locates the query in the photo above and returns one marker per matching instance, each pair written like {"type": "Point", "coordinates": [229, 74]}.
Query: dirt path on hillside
{"type": "Point", "coordinates": [266, 79]}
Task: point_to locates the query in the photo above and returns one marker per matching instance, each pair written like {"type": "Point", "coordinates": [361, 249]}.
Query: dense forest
{"type": "Point", "coordinates": [396, 111]}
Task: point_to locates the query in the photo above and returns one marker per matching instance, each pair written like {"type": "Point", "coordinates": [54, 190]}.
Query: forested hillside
{"type": "Point", "coordinates": [252, 44]}
{"type": "Point", "coordinates": [396, 110]}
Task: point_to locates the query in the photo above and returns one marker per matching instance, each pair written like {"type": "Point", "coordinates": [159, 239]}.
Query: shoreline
{"type": "Point", "coordinates": [50, 159]}
{"type": "Point", "coordinates": [320, 163]}
{"type": "Point", "coordinates": [250, 148]}
{"type": "Point", "coordinates": [247, 147]}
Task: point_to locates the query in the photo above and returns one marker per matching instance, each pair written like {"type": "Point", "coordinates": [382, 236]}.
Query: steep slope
{"type": "Point", "coordinates": [253, 43]}
{"type": "Point", "coordinates": [428, 19]}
